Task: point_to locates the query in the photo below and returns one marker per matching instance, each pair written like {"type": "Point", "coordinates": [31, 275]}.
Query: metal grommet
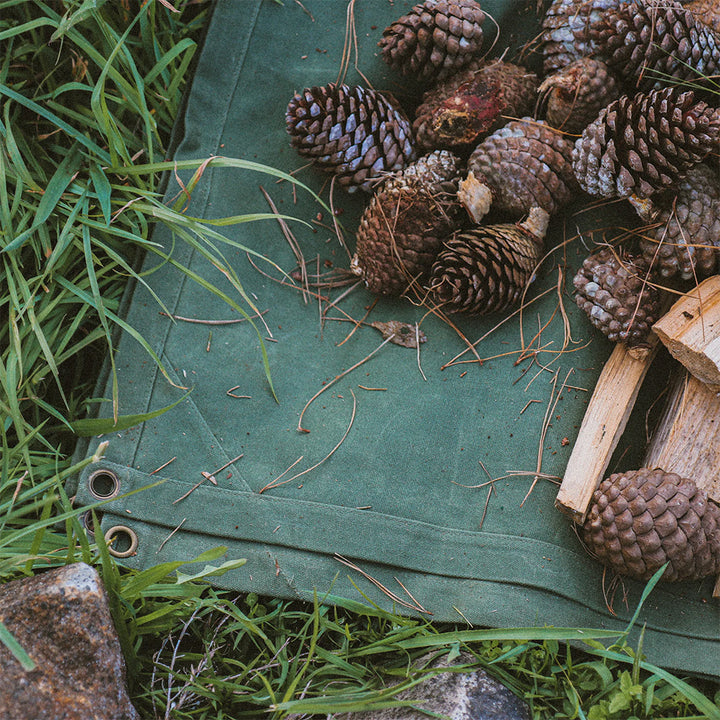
{"type": "Point", "coordinates": [122, 542]}
{"type": "Point", "coordinates": [103, 484]}
{"type": "Point", "coordinates": [87, 522]}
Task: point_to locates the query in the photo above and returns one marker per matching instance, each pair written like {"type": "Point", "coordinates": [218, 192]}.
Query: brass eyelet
{"type": "Point", "coordinates": [103, 484]}
{"type": "Point", "coordinates": [122, 541]}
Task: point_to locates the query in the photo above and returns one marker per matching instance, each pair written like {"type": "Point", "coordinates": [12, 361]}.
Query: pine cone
{"type": "Point", "coordinates": [684, 237]}
{"type": "Point", "coordinates": [657, 43]}
{"type": "Point", "coordinates": [640, 145]}
{"type": "Point", "coordinates": [402, 229]}
{"type": "Point", "coordinates": [525, 164]}
{"type": "Point", "coordinates": [350, 131]}
{"type": "Point", "coordinates": [566, 30]}
{"type": "Point", "coordinates": [459, 111]}
{"type": "Point", "coordinates": [615, 294]}
{"type": "Point", "coordinates": [486, 269]}
{"type": "Point", "coordinates": [706, 11]}
{"type": "Point", "coordinates": [435, 39]}
{"type": "Point", "coordinates": [641, 519]}
{"type": "Point", "coordinates": [575, 94]}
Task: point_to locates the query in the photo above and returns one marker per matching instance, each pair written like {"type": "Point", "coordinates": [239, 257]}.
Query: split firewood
{"type": "Point", "coordinates": [691, 331]}
{"type": "Point", "coordinates": [603, 424]}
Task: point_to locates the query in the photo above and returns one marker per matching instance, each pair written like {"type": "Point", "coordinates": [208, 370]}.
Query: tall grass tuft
{"type": "Point", "coordinates": [89, 92]}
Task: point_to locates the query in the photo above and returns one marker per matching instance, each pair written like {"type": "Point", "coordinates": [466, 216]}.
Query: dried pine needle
{"type": "Point", "coordinates": [276, 483]}
{"type": "Point", "coordinates": [300, 428]}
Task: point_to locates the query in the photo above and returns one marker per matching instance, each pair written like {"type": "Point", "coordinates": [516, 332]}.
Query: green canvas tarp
{"type": "Point", "coordinates": [388, 490]}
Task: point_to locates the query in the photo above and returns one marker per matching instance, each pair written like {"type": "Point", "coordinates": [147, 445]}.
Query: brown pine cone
{"type": "Point", "coordinates": [461, 110]}
{"type": "Point", "coordinates": [487, 268]}
{"type": "Point", "coordinates": [525, 164]}
{"type": "Point", "coordinates": [641, 519]}
{"type": "Point", "coordinates": [566, 30]}
{"type": "Point", "coordinates": [402, 229]}
{"type": "Point", "coordinates": [706, 11]}
{"type": "Point", "coordinates": [614, 292]}
{"type": "Point", "coordinates": [657, 43]}
{"type": "Point", "coordinates": [575, 94]}
{"type": "Point", "coordinates": [350, 131]}
{"type": "Point", "coordinates": [640, 145]}
{"type": "Point", "coordinates": [435, 39]}
{"type": "Point", "coordinates": [684, 235]}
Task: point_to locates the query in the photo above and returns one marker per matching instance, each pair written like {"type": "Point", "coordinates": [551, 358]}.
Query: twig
{"type": "Point", "coordinates": [292, 242]}
{"type": "Point", "coordinates": [275, 483]}
{"type": "Point", "coordinates": [546, 424]}
{"type": "Point", "coordinates": [232, 395]}
{"type": "Point", "coordinates": [395, 598]}
{"type": "Point", "coordinates": [162, 544]}
{"type": "Point", "coordinates": [164, 465]}
{"type": "Point", "coordinates": [206, 476]}
{"type": "Point", "coordinates": [358, 323]}
{"type": "Point", "coordinates": [496, 327]}
{"type": "Point", "coordinates": [487, 502]}
{"type": "Point", "coordinates": [300, 428]}
{"type": "Point", "coordinates": [417, 343]}
{"type": "Point", "coordinates": [213, 322]}
{"type": "Point", "coordinates": [228, 464]}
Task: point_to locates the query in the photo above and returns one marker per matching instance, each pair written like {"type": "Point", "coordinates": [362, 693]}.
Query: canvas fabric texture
{"type": "Point", "coordinates": [393, 475]}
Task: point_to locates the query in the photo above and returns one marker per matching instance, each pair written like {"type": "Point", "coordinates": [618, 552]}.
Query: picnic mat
{"type": "Point", "coordinates": [384, 495]}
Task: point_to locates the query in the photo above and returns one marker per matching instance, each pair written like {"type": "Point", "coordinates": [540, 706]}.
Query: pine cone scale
{"type": "Point", "coordinates": [351, 132]}
{"type": "Point", "coordinates": [668, 520]}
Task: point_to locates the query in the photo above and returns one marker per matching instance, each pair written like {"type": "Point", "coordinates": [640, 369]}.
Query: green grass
{"type": "Point", "coordinates": [88, 88]}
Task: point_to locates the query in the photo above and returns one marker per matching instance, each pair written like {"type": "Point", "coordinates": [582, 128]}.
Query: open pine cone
{"type": "Point", "coordinates": [402, 229]}
{"type": "Point", "coordinates": [641, 519]}
{"type": "Point", "coordinates": [640, 145]}
{"type": "Point", "coordinates": [616, 293]}
{"type": "Point", "coordinates": [435, 39]}
{"type": "Point", "coordinates": [656, 43]}
{"type": "Point", "coordinates": [525, 164]}
{"type": "Point", "coordinates": [487, 268]}
{"type": "Point", "coordinates": [683, 237]}
{"type": "Point", "coordinates": [352, 132]}
{"type": "Point", "coordinates": [566, 30]}
{"type": "Point", "coordinates": [575, 94]}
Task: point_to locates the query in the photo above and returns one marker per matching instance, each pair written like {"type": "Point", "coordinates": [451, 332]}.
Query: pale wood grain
{"type": "Point", "coordinates": [691, 331]}
{"type": "Point", "coordinates": [687, 438]}
{"type": "Point", "coordinates": [604, 422]}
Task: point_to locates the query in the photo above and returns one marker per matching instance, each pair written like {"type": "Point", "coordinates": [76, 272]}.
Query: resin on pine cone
{"type": "Point", "coordinates": [352, 132]}
{"type": "Point", "coordinates": [459, 111]}
{"type": "Point", "coordinates": [402, 229]}
{"type": "Point", "coordinates": [487, 268]}
{"type": "Point", "coordinates": [657, 43]}
{"type": "Point", "coordinates": [435, 39]}
{"type": "Point", "coordinates": [566, 30]}
{"type": "Point", "coordinates": [525, 164]}
{"type": "Point", "coordinates": [683, 237]}
{"type": "Point", "coordinates": [614, 291]}
{"type": "Point", "coordinates": [575, 95]}
{"type": "Point", "coordinates": [640, 145]}
{"type": "Point", "coordinates": [641, 519]}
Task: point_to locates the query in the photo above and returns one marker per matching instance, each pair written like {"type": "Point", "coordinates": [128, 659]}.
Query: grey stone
{"type": "Point", "coordinates": [62, 620]}
{"type": "Point", "coordinates": [454, 695]}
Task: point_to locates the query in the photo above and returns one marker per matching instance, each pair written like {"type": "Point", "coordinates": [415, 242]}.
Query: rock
{"type": "Point", "coordinates": [455, 695]}
{"type": "Point", "coordinates": [62, 620]}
